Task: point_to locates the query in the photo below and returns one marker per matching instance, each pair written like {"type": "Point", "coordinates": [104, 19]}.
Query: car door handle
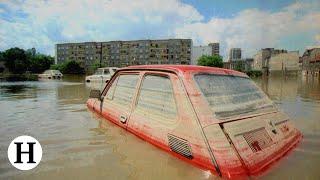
{"type": "Point", "coordinates": [123, 119]}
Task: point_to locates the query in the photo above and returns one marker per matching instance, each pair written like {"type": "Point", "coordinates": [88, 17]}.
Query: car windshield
{"type": "Point", "coordinates": [56, 71]}
{"type": "Point", "coordinates": [230, 96]}
{"type": "Point", "coordinates": [99, 72]}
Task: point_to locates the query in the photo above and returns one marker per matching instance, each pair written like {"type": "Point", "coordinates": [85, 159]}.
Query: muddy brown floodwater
{"type": "Point", "coordinates": [78, 144]}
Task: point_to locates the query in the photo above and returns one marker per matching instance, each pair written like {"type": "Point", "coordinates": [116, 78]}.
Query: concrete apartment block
{"type": "Point", "coordinates": [215, 48]}
{"type": "Point", "coordinates": [126, 53]}
{"type": "Point", "coordinates": [86, 53]}
{"type": "Point", "coordinates": [311, 61]}
{"type": "Point", "coordinates": [234, 54]}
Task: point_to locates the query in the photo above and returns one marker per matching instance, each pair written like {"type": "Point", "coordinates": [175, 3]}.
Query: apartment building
{"type": "Point", "coordinates": [287, 62]}
{"type": "Point", "coordinates": [126, 53]}
{"type": "Point", "coordinates": [243, 65]}
{"type": "Point", "coordinates": [311, 61]}
{"type": "Point", "coordinates": [234, 54]}
{"type": "Point", "coordinates": [215, 47]}
{"type": "Point", "coordinates": [263, 56]}
{"type": "Point", "coordinates": [86, 53]}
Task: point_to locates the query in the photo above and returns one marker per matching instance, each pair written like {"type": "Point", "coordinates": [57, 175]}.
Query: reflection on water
{"type": "Point", "coordinates": [77, 143]}
{"type": "Point", "coordinates": [12, 89]}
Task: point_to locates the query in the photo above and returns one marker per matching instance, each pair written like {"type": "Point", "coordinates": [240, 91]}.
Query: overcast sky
{"type": "Point", "coordinates": [250, 25]}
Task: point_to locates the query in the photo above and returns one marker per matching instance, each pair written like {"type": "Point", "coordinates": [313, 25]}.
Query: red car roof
{"type": "Point", "coordinates": [187, 69]}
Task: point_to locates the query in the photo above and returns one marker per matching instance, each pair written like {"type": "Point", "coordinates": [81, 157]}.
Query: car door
{"type": "Point", "coordinates": [155, 110]}
{"type": "Point", "coordinates": [117, 102]}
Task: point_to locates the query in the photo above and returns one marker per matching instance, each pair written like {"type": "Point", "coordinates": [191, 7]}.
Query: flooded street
{"type": "Point", "coordinates": [77, 143]}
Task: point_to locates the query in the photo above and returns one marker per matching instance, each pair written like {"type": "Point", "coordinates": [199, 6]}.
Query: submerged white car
{"type": "Point", "coordinates": [102, 74]}
{"type": "Point", "coordinates": [51, 74]}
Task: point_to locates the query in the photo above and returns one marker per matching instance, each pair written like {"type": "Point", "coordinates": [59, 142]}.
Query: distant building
{"type": "Point", "coordinates": [239, 65]}
{"type": "Point", "coordinates": [234, 54]}
{"type": "Point", "coordinates": [311, 62]}
{"type": "Point", "coordinates": [126, 53]}
{"type": "Point", "coordinates": [86, 53]}
{"type": "Point", "coordinates": [198, 51]}
{"type": "Point", "coordinates": [284, 62]}
{"type": "Point", "coordinates": [262, 58]}
{"type": "Point", "coordinates": [215, 48]}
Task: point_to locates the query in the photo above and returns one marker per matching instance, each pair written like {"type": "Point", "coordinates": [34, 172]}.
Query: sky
{"type": "Point", "coordinates": [246, 24]}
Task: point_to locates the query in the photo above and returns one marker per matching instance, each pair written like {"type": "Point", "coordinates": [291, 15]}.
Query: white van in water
{"type": "Point", "coordinates": [51, 74]}
{"type": "Point", "coordinates": [102, 74]}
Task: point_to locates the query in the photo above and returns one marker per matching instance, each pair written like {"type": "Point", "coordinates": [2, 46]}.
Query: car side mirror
{"type": "Point", "coordinates": [95, 94]}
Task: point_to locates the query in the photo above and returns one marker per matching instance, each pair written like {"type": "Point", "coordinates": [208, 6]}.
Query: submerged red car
{"type": "Point", "coordinates": [217, 119]}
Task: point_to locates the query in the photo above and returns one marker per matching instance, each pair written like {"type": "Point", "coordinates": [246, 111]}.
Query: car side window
{"type": "Point", "coordinates": [156, 98]}
{"type": "Point", "coordinates": [106, 71]}
{"type": "Point", "coordinates": [122, 90]}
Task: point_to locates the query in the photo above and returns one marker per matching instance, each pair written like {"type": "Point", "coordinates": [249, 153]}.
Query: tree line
{"type": "Point", "coordinates": [20, 61]}
{"type": "Point", "coordinates": [212, 61]}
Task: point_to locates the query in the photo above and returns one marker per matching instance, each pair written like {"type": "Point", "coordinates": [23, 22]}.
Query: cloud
{"type": "Point", "coordinates": [43, 23]}
{"type": "Point", "coordinates": [253, 29]}
{"type": "Point", "coordinates": [317, 37]}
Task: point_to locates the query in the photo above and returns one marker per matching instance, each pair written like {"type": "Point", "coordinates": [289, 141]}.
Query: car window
{"type": "Point", "coordinates": [106, 71]}
{"type": "Point", "coordinates": [98, 72]}
{"type": "Point", "coordinates": [231, 95]}
{"type": "Point", "coordinates": [122, 90]}
{"type": "Point", "coordinates": [156, 98]}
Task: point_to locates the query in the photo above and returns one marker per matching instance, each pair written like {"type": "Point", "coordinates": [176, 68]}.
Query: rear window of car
{"type": "Point", "coordinates": [232, 95]}
{"type": "Point", "coordinates": [47, 72]}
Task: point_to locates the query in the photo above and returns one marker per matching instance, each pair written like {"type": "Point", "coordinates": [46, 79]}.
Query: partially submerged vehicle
{"type": "Point", "coordinates": [51, 74]}
{"type": "Point", "coordinates": [102, 74]}
{"type": "Point", "coordinates": [217, 119]}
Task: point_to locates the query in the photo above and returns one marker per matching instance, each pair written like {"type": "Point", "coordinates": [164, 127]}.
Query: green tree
{"type": "Point", "coordinates": [69, 67]}
{"type": "Point", "coordinates": [96, 65]}
{"type": "Point", "coordinates": [1, 59]}
{"type": "Point", "coordinates": [1, 56]}
{"type": "Point", "coordinates": [40, 63]}
{"type": "Point", "coordinates": [213, 61]}
{"type": "Point", "coordinates": [239, 66]}
{"type": "Point", "coordinates": [16, 60]}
